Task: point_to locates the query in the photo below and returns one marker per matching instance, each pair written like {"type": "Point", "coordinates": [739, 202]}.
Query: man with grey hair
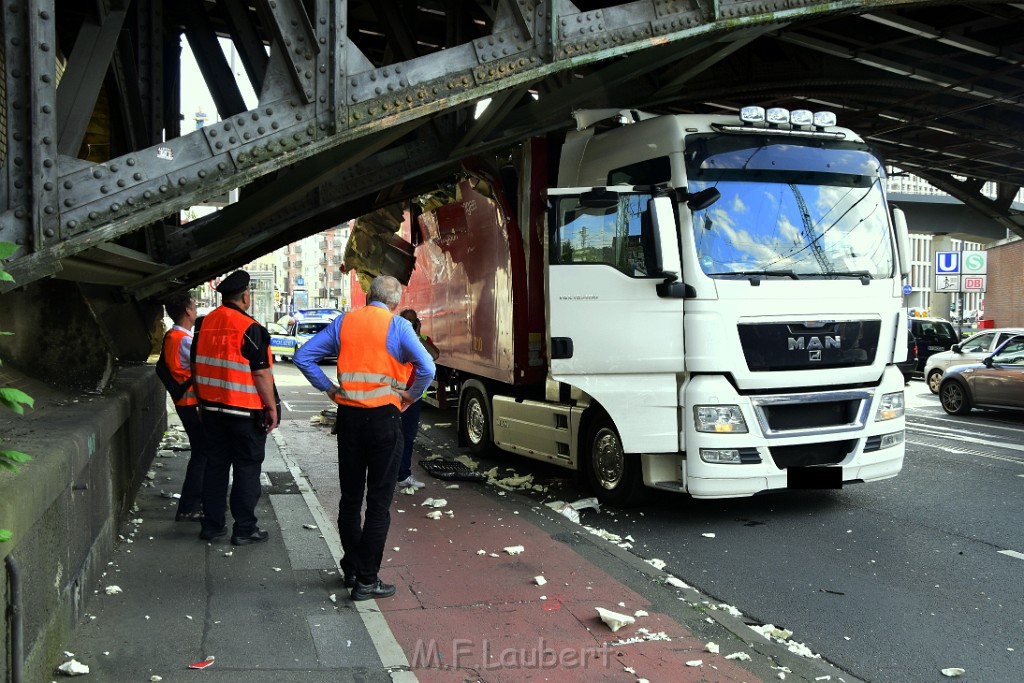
{"type": "Point", "coordinates": [373, 346]}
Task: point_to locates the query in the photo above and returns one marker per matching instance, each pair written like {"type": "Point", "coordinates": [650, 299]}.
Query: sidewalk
{"type": "Point", "coordinates": [277, 611]}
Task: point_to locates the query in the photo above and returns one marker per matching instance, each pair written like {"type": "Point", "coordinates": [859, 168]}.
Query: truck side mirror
{"type": "Point", "coordinates": [899, 221]}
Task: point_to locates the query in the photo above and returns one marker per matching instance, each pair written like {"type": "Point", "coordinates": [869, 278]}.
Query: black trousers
{"type": "Point", "coordinates": [192, 489]}
{"type": "Point", "coordinates": [238, 444]}
{"type": "Point", "coordinates": [369, 452]}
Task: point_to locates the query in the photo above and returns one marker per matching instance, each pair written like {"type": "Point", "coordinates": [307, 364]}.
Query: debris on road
{"type": "Point", "coordinates": [113, 590]}
{"type": "Point", "coordinates": [614, 620]}
{"type": "Point", "coordinates": [73, 667]}
{"type": "Point", "coordinates": [514, 549]}
{"type": "Point", "coordinates": [953, 672]}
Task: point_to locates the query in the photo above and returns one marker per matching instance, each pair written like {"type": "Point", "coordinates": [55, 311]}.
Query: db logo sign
{"type": "Point", "coordinates": [973, 283]}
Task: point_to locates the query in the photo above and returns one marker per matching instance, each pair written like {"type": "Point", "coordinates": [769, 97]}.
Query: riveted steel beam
{"type": "Point", "coordinates": [210, 58]}
{"type": "Point", "coordinates": [296, 42]}
{"type": "Point", "coordinates": [247, 41]}
{"type": "Point", "coordinates": [29, 215]}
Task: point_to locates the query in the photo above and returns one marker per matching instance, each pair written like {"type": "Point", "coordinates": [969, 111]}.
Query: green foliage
{"type": "Point", "coordinates": [14, 400]}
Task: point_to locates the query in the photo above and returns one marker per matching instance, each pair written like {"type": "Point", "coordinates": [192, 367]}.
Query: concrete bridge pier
{"type": "Point", "coordinates": [99, 415]}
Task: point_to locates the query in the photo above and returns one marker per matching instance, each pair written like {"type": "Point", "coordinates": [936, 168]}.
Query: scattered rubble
{"type": "Point", "coordinates": [614, 620]}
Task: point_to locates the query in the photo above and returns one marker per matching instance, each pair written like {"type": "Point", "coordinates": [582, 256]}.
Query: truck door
{"type": "Point", "coordinates": [611, 334]}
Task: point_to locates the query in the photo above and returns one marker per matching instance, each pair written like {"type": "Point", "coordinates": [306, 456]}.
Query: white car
{"type": "Point", "coordinates": [970, 350]}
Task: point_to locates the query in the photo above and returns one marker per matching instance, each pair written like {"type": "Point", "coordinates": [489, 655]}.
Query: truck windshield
{"type": "Point", "coordinates": [789, 208]}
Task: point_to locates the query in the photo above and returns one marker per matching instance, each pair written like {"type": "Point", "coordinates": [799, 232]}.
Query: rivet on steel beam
{"type": "Point", "coordinates": [49, 210]}
{"type": "Point", "coordinates": [147, 195]}
{"type": "Point", "coordinates": [357, 116]}
{"type": "Point", "coordinates": [20, 213]}
{"type": "Point", "coordinates": [93, 215]}
{"type": "Point", "coordinates": [201, 174]}
{"type": "Point", "coordinates": [48, 163]}
{"type": "Point", "coordinates": [45, 47]}
{"type": "Point", "coordinates": [16, 41]}
{"type": "Point", "coordinates": [164, 189]}
{"type": "Point", "coordinates": [68, 185]}
{"type": "Point", "coordinates": [227, 125]}
{"type": "Point", "coordinates": [121, 183]}
{"type": "Point", "coordinates": [130, 201]}
{"type": "Point", "coordinates": [69, 202]}
{"type": "Point", "coordinates": [232, 139]}
{"type": "Point", "coordinates": [322, 99]}
{"type": "Point", "coordinates": [131, 161]}
{"type": "Point", "coordinates": [219, 145]}
{"type": "Point", "coordinates": [72, 225]}
{"type": "Point", "coordinates": [47, 109]}
{"type": "Point", "coordinates": [44, 15]}
{"type": "Point", "coordinates": [49, 231]}
{"type": "Point", "coordinates": [182, 182]}
{"type": "Point", "coordinates": [115, 207]}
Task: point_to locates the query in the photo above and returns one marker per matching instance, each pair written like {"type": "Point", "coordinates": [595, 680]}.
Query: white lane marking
{"type": "Point", "coordinates": [390, 652]}
{"type": "Point", "coordinates": [963, 451]}
{"type": "Point", "coordinates": [969, 439]}
{"type": "Point", "coordinates": [1012, 553]}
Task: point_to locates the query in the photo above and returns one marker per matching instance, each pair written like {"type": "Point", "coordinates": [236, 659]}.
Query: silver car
{"type": "Point", "coordinates": [970, 350]}
{"type": "Point", "coordinates": [996, 383]}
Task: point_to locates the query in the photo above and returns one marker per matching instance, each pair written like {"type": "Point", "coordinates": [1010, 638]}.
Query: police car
{"type": "Point", "coordinates": [298, 332]}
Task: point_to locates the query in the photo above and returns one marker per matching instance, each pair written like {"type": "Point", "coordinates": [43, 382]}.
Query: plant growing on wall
{"type": "Point", "coordinates": [11, 398]}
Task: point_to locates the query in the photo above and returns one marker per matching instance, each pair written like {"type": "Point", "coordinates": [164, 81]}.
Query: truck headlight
{"type": "Point", "coordinates": [720, 419]}
{"type": "Point", "coordinates": [890, 406]}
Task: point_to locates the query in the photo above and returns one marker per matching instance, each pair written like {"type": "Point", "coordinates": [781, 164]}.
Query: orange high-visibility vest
{"type": "Point", "coordinates": [367, 374]}
{"type": "Point", "coordinates": [172, 346]}
{"type": "Point", "coordinates": [221, 373]}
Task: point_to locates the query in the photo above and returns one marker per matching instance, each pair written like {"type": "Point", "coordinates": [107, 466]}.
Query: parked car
{"type": "Point", "coordinates": [933, 335]}
{"type": "Point", "coordinates": [971, 350]}
{"type": "Point", "coordinates": [996, 383]}
{"type": "Point", "coordinates": [909, 366]}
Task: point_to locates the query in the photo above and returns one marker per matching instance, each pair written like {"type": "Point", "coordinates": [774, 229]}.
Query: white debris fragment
{"type": "Point", "coordinates": [823, 678]}
{"type": "Point", "coordinates": [137, 521]}
{"type": "Point", "coordinates": [771, 631]}
{"type": "Point", "coordinates": [408, 490]}
{"type": "Point", "coordinates": [695, 662]}
{"type": "Point", "coordinates": [449, 513]}
{"type": "Point", "coordinates": [229, 553]}
{"type": "Point", "coordinates": [154, 678]}
{"type": "Point", "coordinates": [708, 535]}
{"type": "Point", "coordinates": [333, 597]}
{"type": "Point", "coordinates": [310, 526]}
{"type": "Point", "coordinates": [69, 655]}
{"type": "Point", "coordinates": [276, 569]}
{"type": "Point", "coordinates": [514, 549]}
{"type": "Point", "coordinates": [539, 580]}
{"type": "Point", "coordinates": [614, 620]}
{"type": "Point", "coordinates": [782, 675]}
{"type": "Point", "coordinates": [729, 609]}
{"type": "Point", "coordinates": [73, 667]}
{"type": "Point", "coordinates": [656, 563]}
{"type": "Point", "coordinates": [640, 613]}
{"type": "Point", "coordinates": [151, 475]}
{"type": "Point", "coordinates": [434, 514]}
{"type": "Point", "coordinates": [396, 548]}
{"type": "Point", "coordinates": [451, 486]}
{"type": "Point", "coordinates": [953, 672]}
{"type": "Point", "coordinates": [673, 581]}
{"type": "Point", "coordinates": [740, 656]}
{"type": "Point", "coordinates": [481, 552]}
{"type": "Point", "coordinates": [493, 554]}
{"type": "Point", "coordinates": [114, 590]}
{"type": "Point", "coordinates": [712, 648]}
{"type": "Point", "coordinates": [434, 503]}
{"type": "Point", "coordinates": [468, 462]}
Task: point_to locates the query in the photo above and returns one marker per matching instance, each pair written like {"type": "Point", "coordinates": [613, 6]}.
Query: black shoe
{"type": "Point", "coordinates": [258, 536]}
{"type": "Point", "coordinates": [349, 579]}
{"type": "Point", "coordinates": [195, 516]}
{"type": "Point", "coordinates": [372, 591]}
{"type": "Point", "coordinates": [210, 535]}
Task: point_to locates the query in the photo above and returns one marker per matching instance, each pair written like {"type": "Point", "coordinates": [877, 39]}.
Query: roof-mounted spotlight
{"type": "Point", "coordinates": [801, 118]}
{"type": "Point", "coordinates": [752, 115]}
{"type": "Point", "coordinates": [824, 119]}
{"type": "Point", "coordinates": [777, 116]}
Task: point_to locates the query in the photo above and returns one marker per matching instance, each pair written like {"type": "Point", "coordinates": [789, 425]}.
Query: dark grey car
{"type": "Point", "coordinates": [996, 383]}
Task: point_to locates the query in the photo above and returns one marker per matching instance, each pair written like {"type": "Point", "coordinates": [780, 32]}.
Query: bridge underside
{"type": "Point", "coordinates": [362, 104]}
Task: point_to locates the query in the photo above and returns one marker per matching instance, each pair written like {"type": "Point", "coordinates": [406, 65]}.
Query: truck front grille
{"type": "Point", "coordinates": [806, 455]}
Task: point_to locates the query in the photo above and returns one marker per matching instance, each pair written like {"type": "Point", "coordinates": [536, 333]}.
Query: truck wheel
{"type": "Point", "coordinates": [613, 475]}
{"type": "Point", "coordinates": [934, 379]}
{"type": "Point", "coordinates": [954, 398]}
{"type": "Point", "coordinates": [475, 422]}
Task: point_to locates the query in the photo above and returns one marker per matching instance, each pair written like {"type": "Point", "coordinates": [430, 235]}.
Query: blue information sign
{"type": "Point", "coordinates": [907, 289]}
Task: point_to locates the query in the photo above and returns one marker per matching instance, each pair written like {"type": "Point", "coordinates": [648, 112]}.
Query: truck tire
{"type": "Point", "coordinates": [475, 421]}
{"type": "Point", "coordinates": [614, 475]}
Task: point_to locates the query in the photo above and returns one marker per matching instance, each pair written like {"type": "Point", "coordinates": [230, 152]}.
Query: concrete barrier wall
{"type": "Point", "coordinates": [90, 454]}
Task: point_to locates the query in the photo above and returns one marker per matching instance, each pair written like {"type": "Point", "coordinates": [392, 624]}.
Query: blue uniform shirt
{"type": "Point", "coordinates": [402, 344]}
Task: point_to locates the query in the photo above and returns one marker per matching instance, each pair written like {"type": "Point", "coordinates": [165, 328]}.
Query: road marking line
{"type": "Point", "coordinates": [968, 439]}
{"type": "Point", "coordinates": [957, 451]}
{"type": "Point", "coordinates": [1012, 553]}
{"type": "Point", "coordinates": [391, 654]}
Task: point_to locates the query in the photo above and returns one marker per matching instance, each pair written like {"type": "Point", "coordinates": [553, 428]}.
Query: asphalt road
{"type": "Point", "coordinates": [892, 581]}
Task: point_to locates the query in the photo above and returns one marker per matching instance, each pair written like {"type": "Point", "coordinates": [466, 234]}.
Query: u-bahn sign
{"type": "Point", "coordinates": [961, 271]}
